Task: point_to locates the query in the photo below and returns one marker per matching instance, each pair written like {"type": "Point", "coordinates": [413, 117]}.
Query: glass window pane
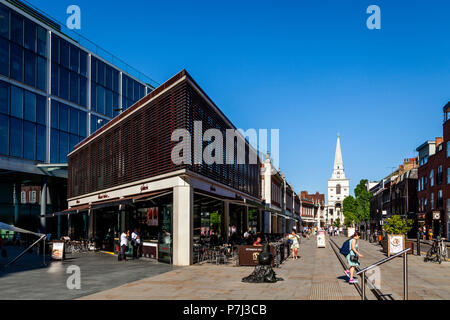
{"type": "Point", "coordinates": [4, 22]}
{"type": "Point", "coordinates": [109, 104]}
{"type": "Point", "coordinates": [30, 68]}
{"type": "Point", "coordinates": [83, 122]}
{"type": "Point", "coordinates": [108, 77]}
{"type": "Point", "coordinates": [41, 73]}
{"type": "Point", "coordinates": [30, 35]}
{"type": "Point", "coordinates": [74, 94]}
{"type": "Point", "coordinates": [130, 89]}
{"type": "Point", "coordinates": [83, 91]}
{"type": "Point", "coordinates": [4, 134]}
{"type": "Point", "coordinates": [115, 104]}
{"type": "Point", "coordinates": [41, 109]}
{"type": "Point", "coordinates": [4, 97]}
{"type": "Point", "coordinates": [74, 58]}
{"type": "Point", "coordinates": [136, 91]}
{"type": "Point", "coordinates": [101, 73]}
{"type": "Point", "coordinates": [16, 138]}
{"type": "Point", "coordinates": [63, 146]}
{"type": "Point", "coordinates": [55, 48]}
{"type": "Point", "coordinates": [16, 62]}
{"type": "Point", "coordinates": [16, 28]}
{"type": "Point", "coordinates": [72, 142]}
{"type": "Point", "coordinates": [41, 143]}
{"type": "Point", "coordinates": [116, 80]}
{"type": "Point", "coordinates": [83, 63]}
{"type": "Point", "coordinates": [64, 53]}
{"type": "Point", "coordinates": [124, 86]}
{"type": "Point", "coordinates": [30, 106]}
{"type": "Point", "coordinates": [93, 96]}
{"type": "Point", "coordinates": [55, 114]}
{"type": "Point", "coordinates": [63, 117]}
{"type": "Point", "coordinates": [54, 146]}
{"type": "Point", "coordinates": [29, 140]}
{"type": "Point", "coordinates": [93, 69]}
{"type": "Point", "coordinates": [93, 123]}
{"type": "Point", "coordinates": [64, 83]}
{"type": "Point", "coordinates": [100, 100]}
{"type": "Point", "coordinates": [16, 102]}
{"type": "Point", "coordinates": [74, 121]}
{"type": "Point", "coordinates": [4, 57]}
{"type": "Point", "coordinates": [55, 79]}
{"type": "Point", "coordinates": [42, 41]}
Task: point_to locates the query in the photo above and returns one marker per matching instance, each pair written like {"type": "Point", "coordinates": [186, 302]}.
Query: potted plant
{"type": "Point", "coordinates": [396, 226]}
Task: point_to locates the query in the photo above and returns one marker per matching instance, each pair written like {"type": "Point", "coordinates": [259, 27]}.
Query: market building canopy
{"type": "Point", "coordinates": [4, 226]}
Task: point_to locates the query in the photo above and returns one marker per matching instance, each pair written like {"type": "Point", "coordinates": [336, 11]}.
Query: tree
{"type": "Point", "coordinates": [397, 225]}
{"type": "Point", "coordinates": [349, 210]}
{"type": "Point", "coordinates": [362, 202]}
{"type": "Point", "coordinates": [337, 222]}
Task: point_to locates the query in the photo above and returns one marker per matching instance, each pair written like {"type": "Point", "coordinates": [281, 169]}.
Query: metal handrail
{"type": "Point", "coordinates": [383, 261]}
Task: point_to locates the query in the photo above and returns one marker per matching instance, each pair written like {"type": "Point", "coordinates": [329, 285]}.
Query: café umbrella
{"type": "Point", "coordinates": [41, 237]}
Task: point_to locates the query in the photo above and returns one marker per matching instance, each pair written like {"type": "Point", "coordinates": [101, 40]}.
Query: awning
{"type": "Point", "coordinates": [74, 209]}
{"type": "Point", "coordinates": [110, 203]}
{"type": "Point", "coordinates": [150, 196]}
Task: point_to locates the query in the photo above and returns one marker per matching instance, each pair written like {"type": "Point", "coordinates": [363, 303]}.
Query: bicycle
{"type": "Point", "coordinates": [437, 252]}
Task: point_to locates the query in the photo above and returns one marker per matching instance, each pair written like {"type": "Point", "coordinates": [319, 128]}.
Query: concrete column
{"type": "Point", "coordinates": [16, 201]}
{"type": "Point", "coordinates": [43, 200]}
{"type": "Point", "coordinates": [226, 218]}
{"type": "Point", "coordinates": [183, 220]}
{"type": "Point", "coordinates": [91, 223]}
{"type": "Point", "coordinates": [245, 227]}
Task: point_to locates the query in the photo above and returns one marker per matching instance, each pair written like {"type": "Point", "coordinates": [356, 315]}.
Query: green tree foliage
{"type": "Point", "coordinates": [397, 225]}
{"type": "Point", "coordinates": [362, 202]}
{"type": "Point", "coordinates": [349, 210]}
{"type": "Point", "coordinates": [337, 223]}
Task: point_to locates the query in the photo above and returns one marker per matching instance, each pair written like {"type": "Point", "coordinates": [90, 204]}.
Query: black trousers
{"type": "Point", "coordinates": [123, 251]}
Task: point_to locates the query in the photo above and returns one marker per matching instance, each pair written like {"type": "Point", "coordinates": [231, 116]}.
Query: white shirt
{"type": "Point", "coordinates": [134, 236]}
{"type": "Point", "coordinates": [123, 239]}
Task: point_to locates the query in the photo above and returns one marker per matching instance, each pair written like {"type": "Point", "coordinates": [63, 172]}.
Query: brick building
{"type": "Point", "coordinates": [434, 180]}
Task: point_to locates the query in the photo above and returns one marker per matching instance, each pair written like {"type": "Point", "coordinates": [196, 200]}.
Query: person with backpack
{"type": "Point", "coordinates": [350, 250]}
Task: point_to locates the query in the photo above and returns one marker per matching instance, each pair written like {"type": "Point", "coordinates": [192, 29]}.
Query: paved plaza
{"type": "Point", "coordinates": [317, 275]}
{"type": "Point", "coordinates": [28, 279]}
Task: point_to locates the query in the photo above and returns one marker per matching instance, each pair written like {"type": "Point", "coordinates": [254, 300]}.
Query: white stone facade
{"type": "Point", "coordinates": [338, 187]}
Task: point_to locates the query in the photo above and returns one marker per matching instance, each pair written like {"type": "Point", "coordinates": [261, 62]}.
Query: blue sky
{"type": "Point", "coordinates": [309, 68]}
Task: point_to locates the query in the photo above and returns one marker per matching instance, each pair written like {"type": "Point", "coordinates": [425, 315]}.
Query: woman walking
{"type": "Point", "coordinates": [295, 244]}
{"type": "Point", "coordinates": [352, 257]}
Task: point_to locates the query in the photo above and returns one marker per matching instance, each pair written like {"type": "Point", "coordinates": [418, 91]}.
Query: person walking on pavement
{"type": "Point", "coordinates": [353, 257]}
{"type": "Point", "coordinates": [124, 244]}
{"type": "Point", "coordinates": [134, 242]}
{"type": "Point", "coordinates": [295, 244]}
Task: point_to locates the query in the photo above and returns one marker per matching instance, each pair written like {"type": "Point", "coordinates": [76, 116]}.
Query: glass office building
{"type": "Point", "coordinates": [53, 93]}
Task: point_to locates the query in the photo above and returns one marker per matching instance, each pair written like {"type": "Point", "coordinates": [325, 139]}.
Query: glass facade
{"type": "Point", "coordinates": [33, 58]}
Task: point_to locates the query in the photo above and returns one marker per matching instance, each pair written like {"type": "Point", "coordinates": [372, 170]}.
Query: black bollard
{"type": "Point", "coordinates": [418, 243]}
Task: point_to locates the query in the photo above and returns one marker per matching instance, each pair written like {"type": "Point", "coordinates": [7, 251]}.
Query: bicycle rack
{"type": "Point", "coordinates": [405, 272]}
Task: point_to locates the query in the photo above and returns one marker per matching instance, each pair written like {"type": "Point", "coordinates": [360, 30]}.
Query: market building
{"type": "Point", "coordinates": [434, 181]}
{"type": "Point", "coordinates": [123, 176]}
{"type": "Point", "coordinates": [54, 92]}
{"type": "Point", "coordinates": [318, 215]}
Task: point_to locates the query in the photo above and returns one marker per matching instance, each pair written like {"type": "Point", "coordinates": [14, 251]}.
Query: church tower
{"type": "Point", "coordinates": [338, 187]}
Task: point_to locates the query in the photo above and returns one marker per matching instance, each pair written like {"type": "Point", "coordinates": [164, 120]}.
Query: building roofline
{"type": "Point", "coordinates": [425, 143]}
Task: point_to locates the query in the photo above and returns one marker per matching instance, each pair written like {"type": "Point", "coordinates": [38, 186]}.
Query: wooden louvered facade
{"type": "Point", "coordinates": [136, 145]}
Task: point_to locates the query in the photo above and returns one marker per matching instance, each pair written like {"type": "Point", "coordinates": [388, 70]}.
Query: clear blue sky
{"type": "Point", "coordinates": [309, 68]}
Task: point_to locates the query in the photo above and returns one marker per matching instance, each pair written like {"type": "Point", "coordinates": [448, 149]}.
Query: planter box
{"type": "Point", "coordinates": [408, 244]}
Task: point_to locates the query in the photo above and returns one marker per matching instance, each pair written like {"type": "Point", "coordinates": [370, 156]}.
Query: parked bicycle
{"type": "Point", "coordinates": [438, 251]}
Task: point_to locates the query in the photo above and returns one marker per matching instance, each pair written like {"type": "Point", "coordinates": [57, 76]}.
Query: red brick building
{"type": "Point", "coordinates": [434, 181]}
{"type": "Point", "coordinates": [312, 208]}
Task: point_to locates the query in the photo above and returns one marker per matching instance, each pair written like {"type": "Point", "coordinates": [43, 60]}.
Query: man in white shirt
{"type": "Point", "coordinates": [135, 241]}
{"type": "Point", "coordinates": [124, 245]}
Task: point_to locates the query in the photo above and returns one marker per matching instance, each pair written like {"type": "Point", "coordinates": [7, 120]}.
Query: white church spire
{"type": "Point", "coordinates": [338, 170]}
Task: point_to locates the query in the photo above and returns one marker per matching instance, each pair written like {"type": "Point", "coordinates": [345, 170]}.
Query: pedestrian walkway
{"type": "Point", "coordinates": [427, 280]}
{"type": "Point", "coordinates": [317, 275]}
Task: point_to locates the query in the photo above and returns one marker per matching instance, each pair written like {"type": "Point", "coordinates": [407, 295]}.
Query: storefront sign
{"type": "Point", "coordinates": [436, 215]}
{"type": "Point", "coordinates": [248, 255]}
{"type": "Point", "coordinates": [396, 243]}
{"type": "Point", "coordinates": [321, 239]}
{"type": "Point", "coordinates": [58, 250]}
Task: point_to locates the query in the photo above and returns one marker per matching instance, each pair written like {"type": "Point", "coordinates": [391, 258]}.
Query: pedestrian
{"type": "Point", "coordinates": [295, 244]}
{"type": "Point", "coordinates": [134, 243]}
{"type": "Point", "coordinates": [353, 257]}
{"type": "Point", "coordinates": [124, 245]}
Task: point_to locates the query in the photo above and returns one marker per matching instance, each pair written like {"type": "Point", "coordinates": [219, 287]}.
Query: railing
{"type": "Point", "coordinates": [405, 272]}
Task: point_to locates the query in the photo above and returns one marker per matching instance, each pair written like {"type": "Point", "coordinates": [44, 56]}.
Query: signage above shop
{"type": "Point", "coordinates": [103, 196]}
